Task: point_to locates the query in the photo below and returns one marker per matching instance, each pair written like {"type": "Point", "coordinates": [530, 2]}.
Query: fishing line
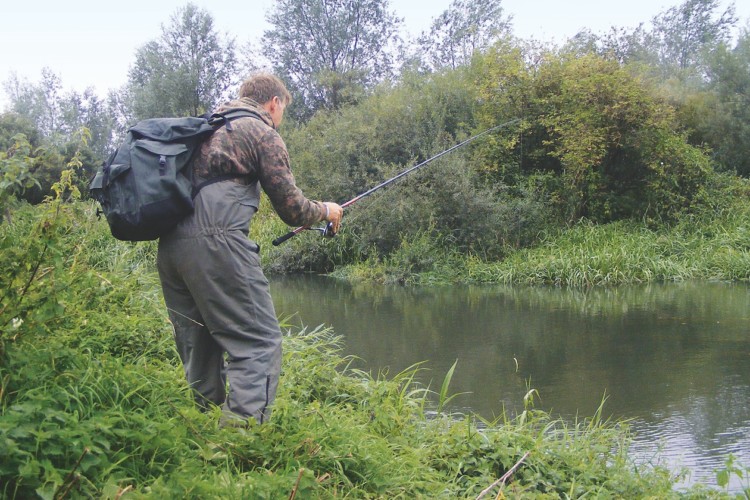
{"type": "Point", "coordinates": [281, 239]}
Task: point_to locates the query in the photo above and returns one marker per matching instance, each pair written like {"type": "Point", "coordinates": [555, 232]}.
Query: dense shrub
{"type": "Point", "coordinates": [613, 146]}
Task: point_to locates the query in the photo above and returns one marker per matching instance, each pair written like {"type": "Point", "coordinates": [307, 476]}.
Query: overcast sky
{"type": "Point", "coordinates": [93, 42]}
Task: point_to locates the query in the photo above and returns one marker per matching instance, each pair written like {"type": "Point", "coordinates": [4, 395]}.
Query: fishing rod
{"type": "Point", "coordinates": [281, 239]}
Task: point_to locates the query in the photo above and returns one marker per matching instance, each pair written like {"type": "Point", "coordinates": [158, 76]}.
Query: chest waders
{"type": "Point", "coordinates": [219, 302]}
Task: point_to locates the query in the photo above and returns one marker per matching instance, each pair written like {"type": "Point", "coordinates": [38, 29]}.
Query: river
{"type": "Point", "coordinates": [673, 359]}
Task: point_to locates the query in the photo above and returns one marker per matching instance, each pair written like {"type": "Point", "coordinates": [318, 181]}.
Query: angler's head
{"type": "Point", "coordinates": [270, 92]}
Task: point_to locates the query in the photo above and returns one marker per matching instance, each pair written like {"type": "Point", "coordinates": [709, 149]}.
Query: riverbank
{"type": "Point", "coordinates": [94, 403]}
{"type": "Point", "coordinates": [711, 247]}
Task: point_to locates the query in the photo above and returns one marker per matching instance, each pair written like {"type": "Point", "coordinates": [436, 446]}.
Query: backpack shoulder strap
{"type": "Point", "coordinates": [219, 119]}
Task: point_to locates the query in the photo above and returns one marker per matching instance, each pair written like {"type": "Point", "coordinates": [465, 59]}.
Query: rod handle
{"type": "Point", "coordinates": [281, 239]}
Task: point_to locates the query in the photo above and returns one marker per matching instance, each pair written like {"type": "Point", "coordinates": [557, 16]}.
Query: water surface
{"type": "Point", "coordinates": [672, 358]}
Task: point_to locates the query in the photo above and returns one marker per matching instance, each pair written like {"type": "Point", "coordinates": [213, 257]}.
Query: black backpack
{"type": "Point", "coordinates": [145, 187]}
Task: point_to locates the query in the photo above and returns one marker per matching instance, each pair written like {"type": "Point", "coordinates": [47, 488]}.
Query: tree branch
{"type": "Point", "coordinates": [504, 478]}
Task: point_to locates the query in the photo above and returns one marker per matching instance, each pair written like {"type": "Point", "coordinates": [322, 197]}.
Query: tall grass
{"type": "Point", "coordinates": [582, 256]}
{"type": "Point", "coordinates": [626, 253]}
{"type": "Point", "coordinates": [93, 404]}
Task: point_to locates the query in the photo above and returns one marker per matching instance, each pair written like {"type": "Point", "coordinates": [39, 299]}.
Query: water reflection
{"type": "Point", "coordinates": [675, 358]}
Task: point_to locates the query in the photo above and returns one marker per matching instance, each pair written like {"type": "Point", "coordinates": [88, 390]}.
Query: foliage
{"type": "Point", "coordinates": [504, 87]}
{"type": "Point", "coordinates": [188, 70]}
{"type": "Point", "coordinates": [710, 244]}
{"type": "Point", "coordinates": [684, 33]}
{"type": "Point", "coordinates": [337, 157]}
{"type": "Point", "coordinates": [93, 402]}
{"type": "Point", "coordinates": [50, 164]}
{"type": "Point", "coordinates": [11, 125]}
{"type": "Point", "coordinates": [621, 156]}
{"type": "Point", "coordinates": [618, 156]}
{"type": "Point", "coordinates": [89, 111]}
{"type": "Point", "coordinates": [15, 172]}
{"type": "Point", "coordinates": [444, 205]}
{"type": "Point", "coordinates": [31, 173]}
{"type": "Point", "coordinates": [41, 103]}
{"type": "Point", "coordinates": [29, 291]}
{"type": "Point", "coordinates": [348, 49]}
{"type": "Point", "coordinates": [42, 111]}
{"type": "Point", "coordinates": [718, 114]}
{"type": "Point", "coordinates": [676, 45]}
{"type": "Point", "coordinates": [627, 46]}
{"type": "Point", "coordinates": [688, 53]}
{"type": "Point", "coordinates": [52, 122]}
{"type": "Point", "coordinates": [464, 27]}
{"type": "Point", "coordinates": [733, 468]}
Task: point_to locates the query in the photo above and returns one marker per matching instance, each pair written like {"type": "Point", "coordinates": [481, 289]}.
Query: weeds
{"type": "Point", "coordinates": [93, 403]}
{"type": "Point", "coordinates": [734, 470]}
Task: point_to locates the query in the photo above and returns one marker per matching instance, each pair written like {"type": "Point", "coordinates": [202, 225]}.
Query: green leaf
{"type": "Point", "coordinates": [722, 478]}
{"type": "Point", "coordinates": [46, 492]}
{"type": "Point", "coordinates": [30, 469]}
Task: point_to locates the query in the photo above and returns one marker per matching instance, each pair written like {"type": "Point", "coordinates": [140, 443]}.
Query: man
{"type": "Point", "coordinates": [217, 296]}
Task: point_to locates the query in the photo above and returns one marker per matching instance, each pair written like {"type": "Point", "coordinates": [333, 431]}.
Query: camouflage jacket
{"type": "Point", "coordinates": [255, 150]}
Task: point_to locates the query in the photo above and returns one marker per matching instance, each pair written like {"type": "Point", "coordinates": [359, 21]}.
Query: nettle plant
{"type": "Point", "coordinates": [16, 172]}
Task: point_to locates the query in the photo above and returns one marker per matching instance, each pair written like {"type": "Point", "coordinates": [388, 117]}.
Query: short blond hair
{"type": "Point", "coordinates": [262, 87]}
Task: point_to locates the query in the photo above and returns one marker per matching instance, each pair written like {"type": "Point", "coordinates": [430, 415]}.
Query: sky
{"type": "Point", "coordinates": [92, 43]}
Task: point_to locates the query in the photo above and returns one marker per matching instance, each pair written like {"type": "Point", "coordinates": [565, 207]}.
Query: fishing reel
{"type": "Point", "coordinates": [325, 231]}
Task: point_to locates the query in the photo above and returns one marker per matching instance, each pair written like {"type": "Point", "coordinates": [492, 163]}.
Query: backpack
{"type": "Point", "coordinates": [145, 188]}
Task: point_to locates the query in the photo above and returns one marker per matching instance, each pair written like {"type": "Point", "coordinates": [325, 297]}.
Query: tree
{"type": "Point", "coordinates": [678, 43]}
{"type": "Point", "coordinates": [50, 118]}
{"type": "Point", "coordinates": [624, 45]}
{"type": "Point", "coordinates": [720, 115]}
{"type": "Point", "coordinates": [621, 153]}
{"type": "Point", "coordinates": [466, 26]}
{"type": "Point", "coordinates": [57, 115]}
{"type": "Point", "coordinates": [88, 110]}
{"type": "Point", "coordinates": [684, 33]}
{"type": "Point", "coordinates": [331, 51]}
{"type": "Point", "coordinates": [188, 70]}
{"type": "Point", "coordinates": [39, 102]}
{"type": "Point", "coordinates": [11, 125]}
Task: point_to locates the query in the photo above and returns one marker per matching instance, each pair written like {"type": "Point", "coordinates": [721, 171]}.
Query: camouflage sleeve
{"type": "Point", "coordinates": [277, 180]}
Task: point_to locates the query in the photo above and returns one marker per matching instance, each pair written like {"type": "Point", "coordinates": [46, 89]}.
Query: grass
{"type": "Point", "coordinates": [583, 256]}
{"type": "Point", "coordinates": [93, 403]}
{"type": "Point", "coordinates": [626, 253]}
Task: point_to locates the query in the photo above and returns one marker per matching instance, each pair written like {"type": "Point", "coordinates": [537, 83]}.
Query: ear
{"type": "Point", "coordinates": [271, 105]}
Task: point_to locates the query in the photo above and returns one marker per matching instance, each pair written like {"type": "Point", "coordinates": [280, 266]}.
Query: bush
{"type": "Point", "coordinates": [612, 144]}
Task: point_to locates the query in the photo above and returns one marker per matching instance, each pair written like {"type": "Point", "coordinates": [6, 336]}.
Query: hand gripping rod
{"type": "Point", "coordinates": [281, 239]}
